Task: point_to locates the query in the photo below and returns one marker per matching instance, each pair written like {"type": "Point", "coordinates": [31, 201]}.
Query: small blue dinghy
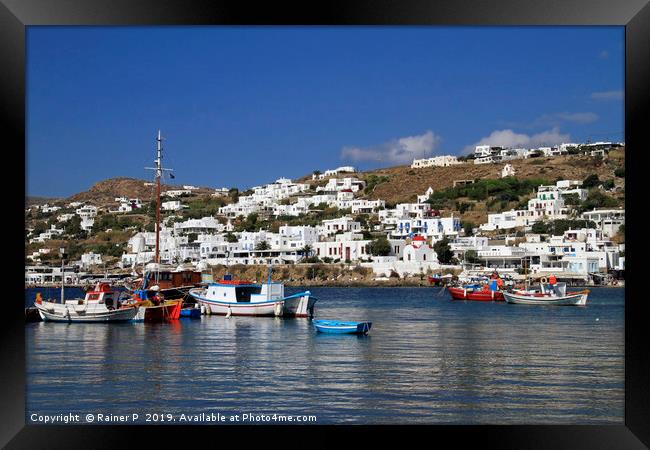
{"type": "Point", "coordinates": [191, 313]}
{"type": "Point", "coordinates": [337, 327]}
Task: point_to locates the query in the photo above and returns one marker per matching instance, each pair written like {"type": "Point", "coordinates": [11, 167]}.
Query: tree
{"type": "Point", "coordinates": [471, 256]}
{"type": "Point", "coordinates": [262, 246]}
{"type": "Point", "coordinates": [443, 251]}
{"type": "Point", "coordinates": [73, 228]}
{"type": "Point", "coordinates": [539, 228]}
{"type": "Point", "coordinates": [39, 227]}
{"type": "Point", "coordinates": [591, 181]}
{"type": "Point", "coordinates": [231, 238]}
{"type": "Point", "coordinates": [306, 251]}
{"type": "Point", "coordinates": [620, 172]}
{"type": "Point", "coordinates": [468, 227]}
{"type": "Point", "coordinates": [379, 246]}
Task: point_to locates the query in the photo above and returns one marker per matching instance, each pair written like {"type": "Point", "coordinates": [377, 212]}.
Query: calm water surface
{"type": "Point", "coordinates": [427, 359]}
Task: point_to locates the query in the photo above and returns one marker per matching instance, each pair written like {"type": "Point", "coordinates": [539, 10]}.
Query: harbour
{"type": "Point", "coordinates": [427, 359]}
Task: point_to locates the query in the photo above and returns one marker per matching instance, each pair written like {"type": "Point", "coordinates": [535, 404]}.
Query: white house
{"type": "Point", "coordinates": [507, 171]}
{"type": "Point", "coordinates": [436, 161]}
{"type": "Point", "coordinates": [347, 246]}
{"type": "Point", "coordinates": [172, 205]}
{"type": "Point", "coordinates": [90, 259]}
{"type": "Point", "coordinates": [418, 250]}
{"type": "Point", "coordinates": [343, 224]}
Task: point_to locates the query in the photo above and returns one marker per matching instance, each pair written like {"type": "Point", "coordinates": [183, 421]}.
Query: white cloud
{"type": "Point", "coordinates": [397, 151]}
{"type": "Point", "coordinates": [508, 138]}
{"type": "Point", "coordinates": [608, 95]}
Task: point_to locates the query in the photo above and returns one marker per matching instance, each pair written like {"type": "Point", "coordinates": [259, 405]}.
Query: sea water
{"type": "Point", "coordinates": [427, 359]}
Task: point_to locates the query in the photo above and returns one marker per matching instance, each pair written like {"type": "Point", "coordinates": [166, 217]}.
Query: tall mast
{"type": "Point", "coordinates": [158, 175]}
{"type": "Point", "coordinates": [159, 171]}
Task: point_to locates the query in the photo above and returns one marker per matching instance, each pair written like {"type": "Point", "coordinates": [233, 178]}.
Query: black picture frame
{"type": "Point", "coordinates": [15, 15]}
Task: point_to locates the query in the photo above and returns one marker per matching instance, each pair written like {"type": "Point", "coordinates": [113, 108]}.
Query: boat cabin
{"type": "Point", "coordinates": [102, 293]}
{"type": "Point", "coordinates": [242, 291]}
{"type": "Point", "coordinates": [169, 279]}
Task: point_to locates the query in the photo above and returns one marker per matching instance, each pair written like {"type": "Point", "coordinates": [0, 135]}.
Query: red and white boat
{"type": "Point", "coordinates": [481, 294]}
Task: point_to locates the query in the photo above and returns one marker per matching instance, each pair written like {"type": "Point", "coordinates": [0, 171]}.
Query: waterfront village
{"type": "Point", "coordinates": [519, 216]}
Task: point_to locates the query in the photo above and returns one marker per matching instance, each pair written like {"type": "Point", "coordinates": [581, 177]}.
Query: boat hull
{"type": "Point", "coordinates": [575, 299]}
{"type": "Point", "coordinates": [61, 313]}
{"type": "Point", "coordinates": [334, 327]}
{"type": "Point", "coordinates": [171, 310]}
{"type": "Point", "coordinates": [478, 296]}
{"type": "Point", "coordinates": [190, 313]}
{"type": "Point", "coordinates": [299, 305]}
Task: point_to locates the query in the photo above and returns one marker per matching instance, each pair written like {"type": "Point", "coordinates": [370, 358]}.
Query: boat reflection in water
{"type": "Point", "coordinates": [429, 363]}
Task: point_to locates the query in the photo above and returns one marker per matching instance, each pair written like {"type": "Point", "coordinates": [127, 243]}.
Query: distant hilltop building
{"type": "Point", "coordinates": [333, 172]}
{"type": "Point", "coordinates": [437, 161]}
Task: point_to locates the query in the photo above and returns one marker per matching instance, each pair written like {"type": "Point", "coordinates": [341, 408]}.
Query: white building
{"type": "Point", "coordinates": [436, 161]}
{"type": "Point", "coordinates": [90, 259]}
{"type": "Point", "coordinates": [340, 184]}
{"type": "Point", "coordinates": [507, 171]}
{"type": "Point", "coordinates": [177, 192]}
{"type": "Point", "coordinates": [608, 220]}
{"type": "Point", "coordinates": [342, 224]}
{"type": "Point", "coordinates": [347, 246]}
{"type": "Point", "coordinates": [172, 205]}
{"type": "Point", "coordinates": [418, 250]}
{"type": "Point", "coordinates": [205, 225]}
{"type": "Point", "coordinates": [334, 172]}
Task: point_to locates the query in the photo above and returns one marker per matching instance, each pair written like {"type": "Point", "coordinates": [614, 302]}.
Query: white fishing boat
{"type": "Point", "coordinates": [244, 298]}
{"type": "Point", "coordinates": [547, 295]}
{"type": "Point", "coordinates": [102, 304]}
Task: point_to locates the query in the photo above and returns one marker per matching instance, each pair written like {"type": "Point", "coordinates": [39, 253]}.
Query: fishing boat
{"type": "Point", "coordinates": [338, 327]}
{"type": "Point", "coordinates": [232, 297]}
{"type": "Point", "coordinates": [548, 295]}
{"type": "Point", "coordinates": [477, 292]}
{"type": "Point", "coordinates": [101, 304]}
{"type": "Point", "coordinates": [439, 279]}
{"type": "Point", "coordinates": [153, 305]}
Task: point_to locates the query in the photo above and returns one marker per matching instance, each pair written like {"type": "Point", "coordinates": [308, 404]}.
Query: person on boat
{"type": "Point", "coordinates": [552, 280]}
{"type": "Point", "coordinates": [499, 283]}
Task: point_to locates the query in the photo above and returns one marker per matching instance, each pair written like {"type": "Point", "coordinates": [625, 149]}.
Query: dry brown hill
{"type": "Point", "coordinates": [405, 183]}
{"type": "Point", "coordinates": [105, 192]}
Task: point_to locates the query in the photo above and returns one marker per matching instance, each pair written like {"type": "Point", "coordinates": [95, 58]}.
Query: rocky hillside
{"type": "Point", "coordinates": [404, 183]}
{"type": "Point", "coordinates": [105, 192]}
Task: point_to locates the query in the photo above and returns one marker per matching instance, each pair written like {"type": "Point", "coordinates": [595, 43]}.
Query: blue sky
{"type": "Point", "coordinates": [243, 106]}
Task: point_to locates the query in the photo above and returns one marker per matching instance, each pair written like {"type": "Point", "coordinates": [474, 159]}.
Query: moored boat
{"type": "Point", "coordinates": [244, 298]}
{"type": "Point", "coordinates": [338, 327]}
{"type": "Point", "coordinates": [476, 293]}
{"type": "Point", "coordinates": [548, 295]}
{"type": "Point", "coordinates": [190, 313]}
{"type": "Point", "coordinates": [102, 304]}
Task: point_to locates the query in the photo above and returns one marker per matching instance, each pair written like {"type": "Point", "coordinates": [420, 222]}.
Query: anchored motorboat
{"type": "Point", "coordinates": [245, 298]}
{"type": "Point", "coordinates": [101, 304]}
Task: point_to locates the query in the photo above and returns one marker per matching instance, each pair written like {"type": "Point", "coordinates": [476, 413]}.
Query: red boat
{"type": "Point", "coordinates": [480, 295]}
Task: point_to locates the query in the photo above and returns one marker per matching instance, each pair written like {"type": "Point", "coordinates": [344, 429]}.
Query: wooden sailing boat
{"type": "Point", "coordinates": [153, 307]}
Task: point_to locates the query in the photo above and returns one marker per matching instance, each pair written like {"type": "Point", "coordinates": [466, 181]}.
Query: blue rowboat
{"type": "Point", "coordinates": [191, 313]}
{"type": "Point", "coordinates": [337, 327]}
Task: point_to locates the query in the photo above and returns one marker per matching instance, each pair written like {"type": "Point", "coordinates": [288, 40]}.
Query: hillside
{"type": "Point", "coordinates": [105, 192]}
{"type": "Point", "coordinates": [402, 184]}
{"type": "Point", "coordinates": [405, 184]}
